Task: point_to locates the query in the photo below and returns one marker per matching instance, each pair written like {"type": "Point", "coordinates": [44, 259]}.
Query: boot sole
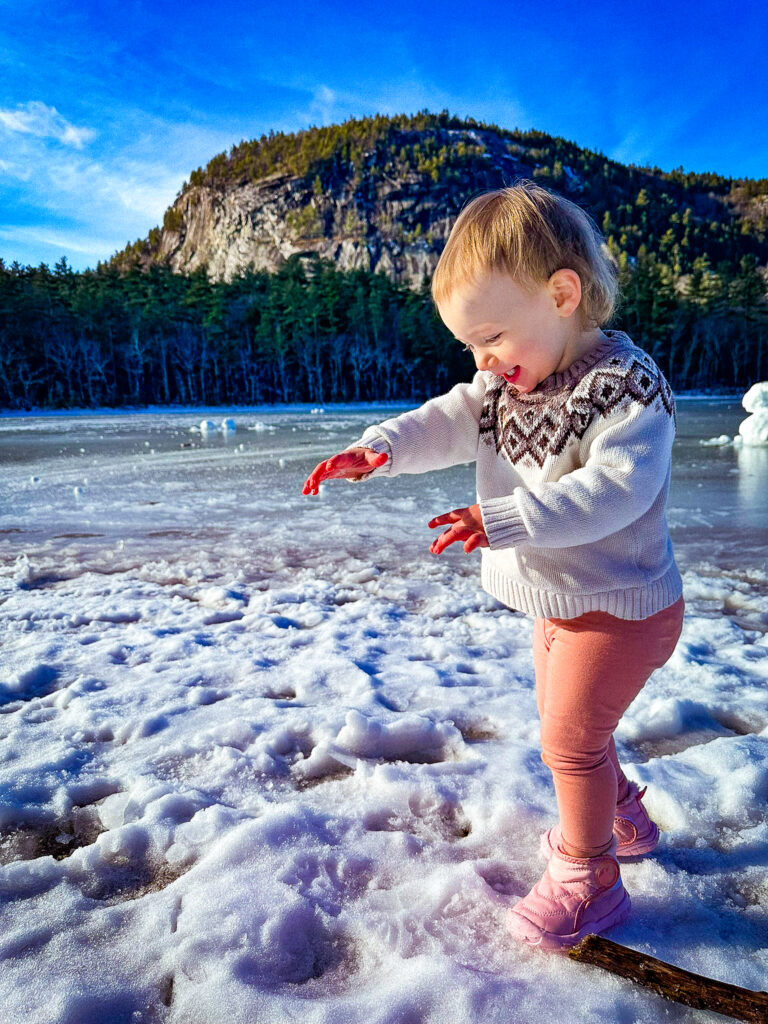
{"type": "Point", "coordinates": [551, 941]}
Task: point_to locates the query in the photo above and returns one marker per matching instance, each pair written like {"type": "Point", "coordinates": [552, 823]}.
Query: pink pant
{"type": "Point", "coordinates": [588, 671]}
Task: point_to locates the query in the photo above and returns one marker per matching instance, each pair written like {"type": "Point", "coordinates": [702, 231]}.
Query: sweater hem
{"type": "Point", "coordinates": [630, 603]}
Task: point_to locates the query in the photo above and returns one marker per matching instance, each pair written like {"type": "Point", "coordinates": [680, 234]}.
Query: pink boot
{"type": "Point", "coordinates": [573, 898]}
{"type": "Point", "coordinates": [634, 830]}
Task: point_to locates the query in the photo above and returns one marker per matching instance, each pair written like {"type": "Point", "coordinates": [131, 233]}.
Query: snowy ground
{"type": "Point", "coordinates": [264, 758]}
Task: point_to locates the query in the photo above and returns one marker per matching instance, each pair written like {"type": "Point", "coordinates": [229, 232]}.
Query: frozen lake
{"type": "Point", "coordinates": [264, 751]}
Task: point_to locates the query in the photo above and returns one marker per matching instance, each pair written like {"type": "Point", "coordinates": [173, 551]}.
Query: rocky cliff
{"type": "Point", "coordinates": [371, 216]}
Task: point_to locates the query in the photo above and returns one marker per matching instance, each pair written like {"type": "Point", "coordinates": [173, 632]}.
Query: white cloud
{"type": "Point", "coordinates": [89, 204]}
{"type": "Point", "coordinates": [323, 105]}
{"type": "Point", "coordinates": [144, 189]}
{"type": "Point", "coordinates": [35, 118]}
{"type": "Point", "coordinates": [60, 240]}
{"type": "Point", "coordinates": [15, 170]}
{"type": "Point", "coordinates": [636, 147]}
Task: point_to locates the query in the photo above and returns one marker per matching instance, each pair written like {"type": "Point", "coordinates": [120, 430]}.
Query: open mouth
{"type": "Point", "coordinates": [510, 378]}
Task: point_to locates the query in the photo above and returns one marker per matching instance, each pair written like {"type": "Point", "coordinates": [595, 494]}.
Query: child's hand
{"type": "Point", "coordinates": [353, 464]}
{"type": "Point", "coordinates": [466, 525]}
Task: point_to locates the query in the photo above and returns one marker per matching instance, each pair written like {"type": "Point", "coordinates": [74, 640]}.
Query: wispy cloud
{"type": "Point", "coordinates": [636, 147]}
{"type": "Point", "coordinates": [105, 192]}
{"type": "Point", "coordinates": [323, 104]}
{"type": "Point", "coordinates": [15, 170]}
{"type": "Point", "coordinates": [35, 118]}
{"type": "Point", "coordinates": [406, 95]}
{"type": "Point", "coordinates": [61, 241]}
{"type": "Point", "coordinates": [89, 203]}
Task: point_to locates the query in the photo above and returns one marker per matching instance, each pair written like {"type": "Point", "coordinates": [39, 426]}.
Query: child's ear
{"type": "Point", "coordinates": [565, 288]}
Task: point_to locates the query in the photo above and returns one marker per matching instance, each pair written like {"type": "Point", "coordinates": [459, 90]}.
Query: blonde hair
{"type": "Point", "coordinates": [529, 232]}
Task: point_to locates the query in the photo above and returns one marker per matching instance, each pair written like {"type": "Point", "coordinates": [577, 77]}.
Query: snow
{"type": "Point", "coordinates": [754, 429]}
{"type": "Point", "coordinates": [756, 398]}
{"type": "Point", "coordinates": [265, 758]}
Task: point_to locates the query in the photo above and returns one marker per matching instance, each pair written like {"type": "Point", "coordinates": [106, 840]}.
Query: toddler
{"type": "Point", "coordinates": [571, 428]}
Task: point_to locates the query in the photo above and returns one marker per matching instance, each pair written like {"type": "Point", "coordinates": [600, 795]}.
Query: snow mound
{"type": "Point", "coordinates": [411, 737]}
{"type": "Point", "coordinates": [756, 399]}
{"type": "Point", "coordinates": [754, 429]}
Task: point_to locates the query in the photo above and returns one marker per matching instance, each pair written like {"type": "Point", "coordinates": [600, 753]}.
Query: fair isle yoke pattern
{"type": "Point", "coordinates": [521, 430]}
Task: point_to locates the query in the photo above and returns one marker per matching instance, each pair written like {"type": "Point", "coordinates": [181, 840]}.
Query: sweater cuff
{"type": "Point", "coordinates": [378, 444]}
{"type": "Point", "coordinates": [502, 522]}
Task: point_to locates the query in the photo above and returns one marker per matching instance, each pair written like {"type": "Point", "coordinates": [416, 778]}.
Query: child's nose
{"type": "Point", "coordinates": [485, 360]}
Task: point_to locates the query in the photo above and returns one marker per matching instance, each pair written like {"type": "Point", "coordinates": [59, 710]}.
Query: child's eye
{"type": "Point", "coordinates": [468, 348]}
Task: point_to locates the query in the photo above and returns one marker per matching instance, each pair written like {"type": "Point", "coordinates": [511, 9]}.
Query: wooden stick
{"type": "Point", "coordinates": [673, 982]}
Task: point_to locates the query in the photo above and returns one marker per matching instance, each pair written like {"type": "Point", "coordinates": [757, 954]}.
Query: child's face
{"type": "Point", "coordinates": [519, 335]}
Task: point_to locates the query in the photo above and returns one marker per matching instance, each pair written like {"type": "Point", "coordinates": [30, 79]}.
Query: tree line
{"type": "Point", "coordinates": [312, 333]}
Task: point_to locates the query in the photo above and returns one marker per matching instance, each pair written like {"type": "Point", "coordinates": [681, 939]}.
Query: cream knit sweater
{"type": "Point", "coordinates": [572, 480]}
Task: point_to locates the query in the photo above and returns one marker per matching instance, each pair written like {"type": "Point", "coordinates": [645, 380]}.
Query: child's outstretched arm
{"type": "Point", "coordinates": [626, 459]}
{"type": "Point", "coordinates": [442, 432]}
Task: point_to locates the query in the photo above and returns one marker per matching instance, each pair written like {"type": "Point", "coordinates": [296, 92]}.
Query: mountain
{"type": "Point", "coordinates": [381, 193]}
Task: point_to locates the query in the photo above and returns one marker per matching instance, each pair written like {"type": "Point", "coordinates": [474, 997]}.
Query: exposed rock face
{"type": "Point", "coordinates": [230, 231]}
{"type": "Point", "coordinates": [362, 218]}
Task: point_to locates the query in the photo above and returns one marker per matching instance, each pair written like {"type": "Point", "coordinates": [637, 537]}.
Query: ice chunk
{"type": "Point", "coordinates": [720, 440]}
{"type": "Point", "coordinates": [207, 427]}
{"type": "Point", "coordinates": [228, 425]}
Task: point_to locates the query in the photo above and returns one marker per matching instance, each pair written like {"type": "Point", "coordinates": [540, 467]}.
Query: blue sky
{"type": "Point", "coordinates": [105, 108]}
